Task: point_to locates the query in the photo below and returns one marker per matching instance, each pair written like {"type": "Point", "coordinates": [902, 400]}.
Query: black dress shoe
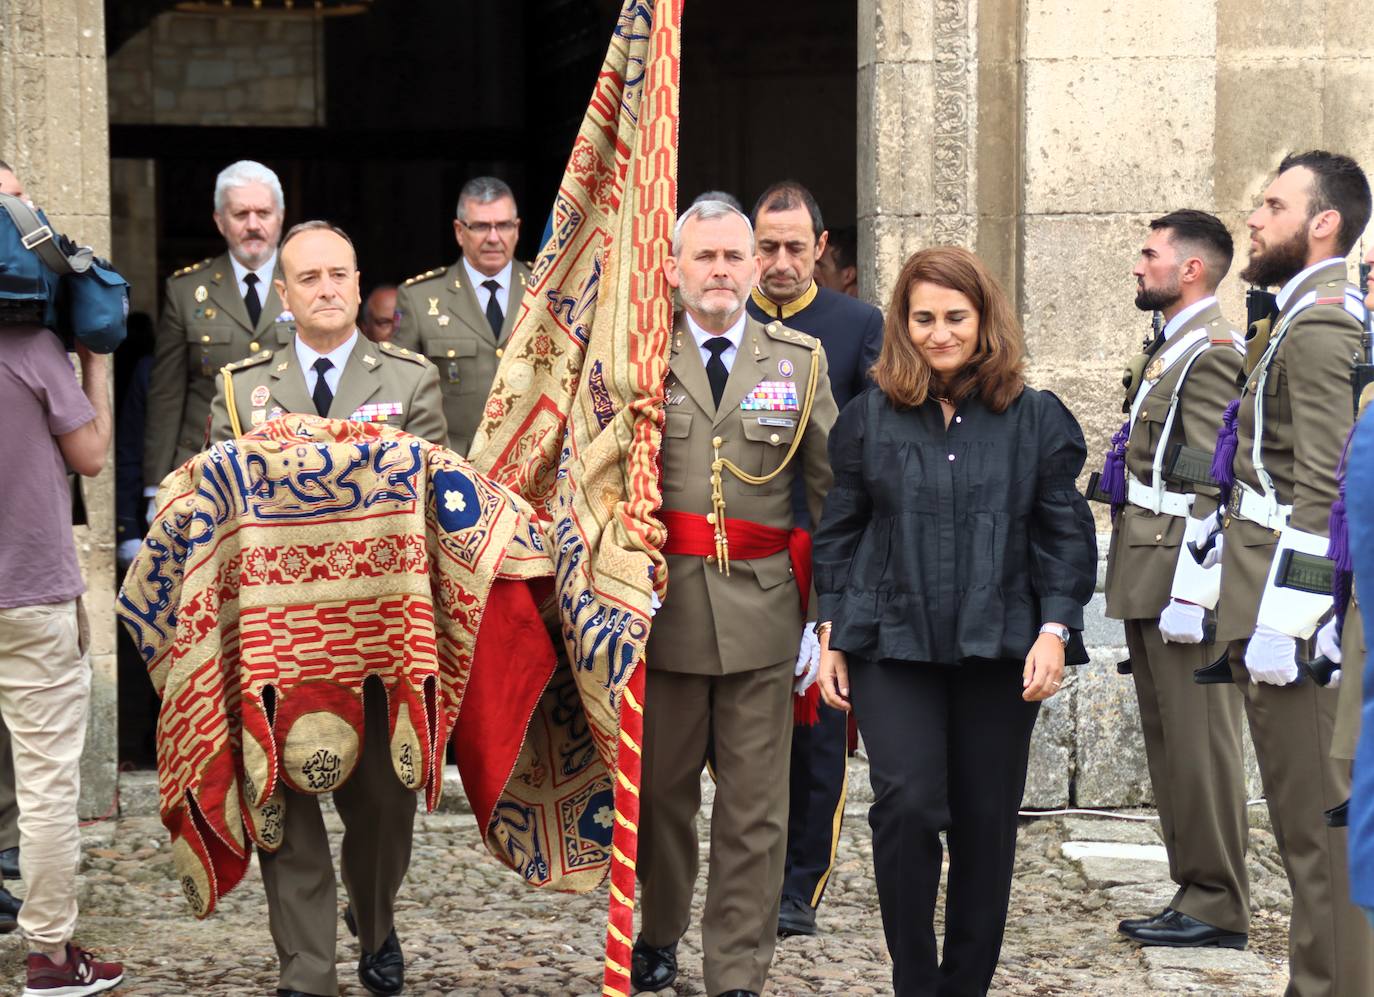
{"type": "Point", "coordinates": [1132, 923]}
{"type": "Point", "coordinates": [739, 993]}
{"type": "Point", "coordinates": [795, 917]}
{"type": "Point", "coordinates": [652, 968]}
{"type": "Point", "coordinates": [1178, 930]}
{"type": "Point", "coordinates": [1338, 816]}
{"type": "Point", "coordinates": [9, 863]}
{"type": "Point", "coordinates": [384, 972]}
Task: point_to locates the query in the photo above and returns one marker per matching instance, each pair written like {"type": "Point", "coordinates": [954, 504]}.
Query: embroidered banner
{"type": "Point", "coordinates": [573, 424]}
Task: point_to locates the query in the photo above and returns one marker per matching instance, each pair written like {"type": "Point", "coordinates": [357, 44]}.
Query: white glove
{"type": "Point", "coordinates": [655, 603]}
{"type": "Point", "coordinates": [1335, 681]}
{"type": "Point", "coordinates": [808, 660]}
{"type": "Point", "coordinates": [127, 550]}
{"type": "Point", "coordinates": [151, 513]}
{"type": "Point", "coordinates": [1181, 623]}
{"type": "Point", "coordinates": [1213, 556]}
{"type": "Point", "coordinates": [1272, 657]}
{"type": "Point", "coordinates": [1327, 642]}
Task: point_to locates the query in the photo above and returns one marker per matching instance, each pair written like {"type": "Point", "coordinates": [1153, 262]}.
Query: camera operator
{"type": "Point", "coordinates": [52, 423]}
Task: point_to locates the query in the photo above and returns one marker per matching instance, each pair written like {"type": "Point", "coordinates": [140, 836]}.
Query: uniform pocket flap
{"type": "Point", "coordinates": [774, 428]}
{"type": "Point", "coordinates": [206, 335]}
{"type": "Point", "coordinates": [1154, 531]}
{"type": "Point", "coordinates": [773, 570]}
{"type": "Point", "coordinates": [1154, 411]}
{"type": "Point", "coordinates": [678, 425]}
{"type": "Point", "coordinates": [446, 348]}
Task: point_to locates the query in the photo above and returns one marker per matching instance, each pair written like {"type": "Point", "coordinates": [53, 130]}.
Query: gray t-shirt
{"type": "Point", "coordinates": [40, 400]}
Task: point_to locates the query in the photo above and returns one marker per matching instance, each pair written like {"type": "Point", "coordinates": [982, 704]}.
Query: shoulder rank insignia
{"type": "Point", "coordinates": [260, 357]}
{"type": "Point", "coordinates": [781, 332]}
{"type": "Point", "coordinates": [192, 269]}
{"type": "Point", "coordinates": [423, 276]}
{"type": "Point", "coordinates": [402, 352]}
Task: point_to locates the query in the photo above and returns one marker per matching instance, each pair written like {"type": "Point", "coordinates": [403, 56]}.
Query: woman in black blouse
{"type": "Point", "coordinates": [952, 563]}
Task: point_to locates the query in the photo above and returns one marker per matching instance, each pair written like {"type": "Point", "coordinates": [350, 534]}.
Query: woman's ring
{"type": "Point", "coordinates": [1055, 685]}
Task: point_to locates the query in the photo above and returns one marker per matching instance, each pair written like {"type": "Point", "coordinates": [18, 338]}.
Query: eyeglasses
{"type": "Point", "coordinates": [487, 228]}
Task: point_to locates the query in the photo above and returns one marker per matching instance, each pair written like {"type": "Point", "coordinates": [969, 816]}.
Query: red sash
{"type": "Point", "coordinates": [691, 535]}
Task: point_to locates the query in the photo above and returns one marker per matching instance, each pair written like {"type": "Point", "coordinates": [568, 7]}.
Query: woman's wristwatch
{"type": "Point", "coordinates": [1060, 631]}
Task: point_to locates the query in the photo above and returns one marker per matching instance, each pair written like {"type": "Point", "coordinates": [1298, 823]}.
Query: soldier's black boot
{"type": "Point", "coordinates": [652, 968]}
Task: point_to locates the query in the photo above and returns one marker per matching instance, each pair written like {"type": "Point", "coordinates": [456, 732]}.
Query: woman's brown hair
{"type": "Point", "coordinates": [993, 373]}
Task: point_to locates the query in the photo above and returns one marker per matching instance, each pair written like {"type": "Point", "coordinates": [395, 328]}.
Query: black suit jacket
{"type": "Point", "coordinates": [850, 331]}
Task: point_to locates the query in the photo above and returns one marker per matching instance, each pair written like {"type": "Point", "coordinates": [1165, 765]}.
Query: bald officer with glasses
{"type": "Point", "coordinates": [461, 317]}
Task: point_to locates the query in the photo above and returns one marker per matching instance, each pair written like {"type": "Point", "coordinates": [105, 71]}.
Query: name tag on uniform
{"type": "Point", "coordinates": [771, 396]}
{"type": "Point", "coordinates": [376, 412]}
{"type": "Point", "coordinates": [773, 421]}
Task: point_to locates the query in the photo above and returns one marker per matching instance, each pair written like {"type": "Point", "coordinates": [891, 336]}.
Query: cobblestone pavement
{"type": "Point", "coordinates": [471, 929]}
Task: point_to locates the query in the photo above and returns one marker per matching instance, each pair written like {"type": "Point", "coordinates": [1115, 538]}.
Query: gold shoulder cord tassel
{"type": "Point", "coordinates": [229, 402]}
{"type": "Point", "coordinates": [719, 464]}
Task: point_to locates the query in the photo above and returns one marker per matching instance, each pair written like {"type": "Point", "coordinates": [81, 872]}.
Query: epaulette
{"type": "Point", "coordinates": [193, 267]}
{"type": "Point", "coordinates": [403, 353]}
{"type": "Point", "coordinates": [262, 356]}
{"type": "Point", "coordinates": [781, 332]}
{"type": "Point", "coordinates": [436, 272]}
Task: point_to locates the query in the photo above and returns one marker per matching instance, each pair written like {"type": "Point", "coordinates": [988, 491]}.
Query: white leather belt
{"type": "Point", "coordinates": [1246, 503]}
{"type": "Point", "coordinates": [1166, 502]}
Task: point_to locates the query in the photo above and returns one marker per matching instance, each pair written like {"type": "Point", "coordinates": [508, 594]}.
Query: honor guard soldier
{"type": "Point", "coordinates": [461, 317]}
{"type": "Point", "coordinates": [749, 411]}
{"type": "Point", "coordinates": [791, 238]}
{"type": "Point", "coordinates": [215, 312]}
{"type": "Point", "coordinates": [1342, 638]}
{"type": "Point", "coordinates": [1293, 417]}
{"type": "Point", "coordinates": [1158, 475]}
{"type": "Point", "coordinates": [329, 369]}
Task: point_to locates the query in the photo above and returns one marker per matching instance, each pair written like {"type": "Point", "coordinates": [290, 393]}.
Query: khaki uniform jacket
{"type": "Point", "coordinates": [712, 623]}
{"type": "Point", "coordinates": [1307, 416]}
{"type": "Point", "coordinates": [442, 319]}
{"type": "Point", "coordinates": [270, 384]}
{"type": "Point", "coordinates": [1144, 547]}
{"type": "Point", "coordinates": [204, 326]}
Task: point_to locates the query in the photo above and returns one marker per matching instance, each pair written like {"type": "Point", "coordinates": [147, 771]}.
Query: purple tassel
{"type": "Point", "coordinates": [1225, 455]}
{"type": "Point", "coordinates": [1338, 546]}
{"type": "Point", "coordinates": [1114, 468]}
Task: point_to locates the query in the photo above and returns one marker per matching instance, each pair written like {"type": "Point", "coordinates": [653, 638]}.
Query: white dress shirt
{"type": "Point", "coordinates": [483, 294]}
{"type": "Point", "coordinates": [264, 272]}
{"type": "Point", "coordinates": [735, 334]}
{"type": "Point", "coordinates": [337, 356]}
{"type": "Point", "coordinates": [1181, 320]}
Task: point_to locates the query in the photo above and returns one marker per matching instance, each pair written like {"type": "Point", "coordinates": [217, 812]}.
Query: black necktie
{"type": "Point", "coordinates": [250, 299]}
{"type": "Point", "coordinates": [494, 316]}
{"type": "Point", "coordinates": [715, 367]}
{"type": "Point", "coordinates": [322, 395]}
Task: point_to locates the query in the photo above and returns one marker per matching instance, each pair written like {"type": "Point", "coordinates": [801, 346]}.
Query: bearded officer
{"type": "Point", "coordinates": [461, 317]}
{"type": "Point", "coordinates": [329, 369]}
{"type": "Point", "coordinates": [791, 239]}
{"type": "Point", "coordinates": [1293, 418]}
{"type": "Point", "coordinates": [1180, 386]}
{"type": "Point", "coordinates": [215, 312]}
{"type": "Point", "coordinates": [723, 647]}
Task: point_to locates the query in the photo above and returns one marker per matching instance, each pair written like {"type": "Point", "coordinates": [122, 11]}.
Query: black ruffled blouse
{"type": "Point", "coordinates": [944, 545]}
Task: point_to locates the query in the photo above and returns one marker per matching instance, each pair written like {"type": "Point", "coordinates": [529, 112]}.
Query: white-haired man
{"type": "Point", "coordinates": [219, 310]}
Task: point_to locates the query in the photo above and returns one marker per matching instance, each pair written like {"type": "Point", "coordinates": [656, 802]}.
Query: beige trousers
{"type": "Point", "coordinates": [45, 694]}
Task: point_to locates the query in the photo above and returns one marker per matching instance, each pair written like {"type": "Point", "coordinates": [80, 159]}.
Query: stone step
{"type": "Point", "coordinates": [1208, 971]}
{"type": "Point", "coordinates": [1110, 863]}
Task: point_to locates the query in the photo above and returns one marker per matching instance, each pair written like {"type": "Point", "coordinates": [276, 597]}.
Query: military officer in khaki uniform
{"type": "Point", "coordinates": [723, 647]}
{"type": "Point", "coordinates": [1293, 419]}
{"type": "Point", "coordinates": [1178, 389]}
{"type": "Point", "coordinates": [214, 312]}
{"type": "Point", "coordinates": [461, 316]}
{"type": "Point", "coordinates": [328, 368]}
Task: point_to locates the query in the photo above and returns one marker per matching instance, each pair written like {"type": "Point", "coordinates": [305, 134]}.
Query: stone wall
{"type": "Point", "coordinates": [1045, 137]}
{"type": "Point", "coordinates": [195, 69]}
{"type": "Point", "coordinates": [53, 131]}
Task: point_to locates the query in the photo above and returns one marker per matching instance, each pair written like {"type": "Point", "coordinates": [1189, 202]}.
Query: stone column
{"type": "Point", "coordinates": [54, 132]}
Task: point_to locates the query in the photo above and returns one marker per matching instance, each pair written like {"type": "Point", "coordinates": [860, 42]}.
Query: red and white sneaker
{"type": "Point", "coordinates": [78, 976]}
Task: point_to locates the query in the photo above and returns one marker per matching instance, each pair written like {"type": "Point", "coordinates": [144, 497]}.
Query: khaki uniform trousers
{"type": "Point", "coordinates": [302, 907]}
{"type": "Point", "coordinates": [747, 719]}
{"type": "Point", "coordinates": [1348, 700]}
{"type": "Point", "coordinates": [1197, 771]}
{"type": "Point", "coordinates": [1330, 944]}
